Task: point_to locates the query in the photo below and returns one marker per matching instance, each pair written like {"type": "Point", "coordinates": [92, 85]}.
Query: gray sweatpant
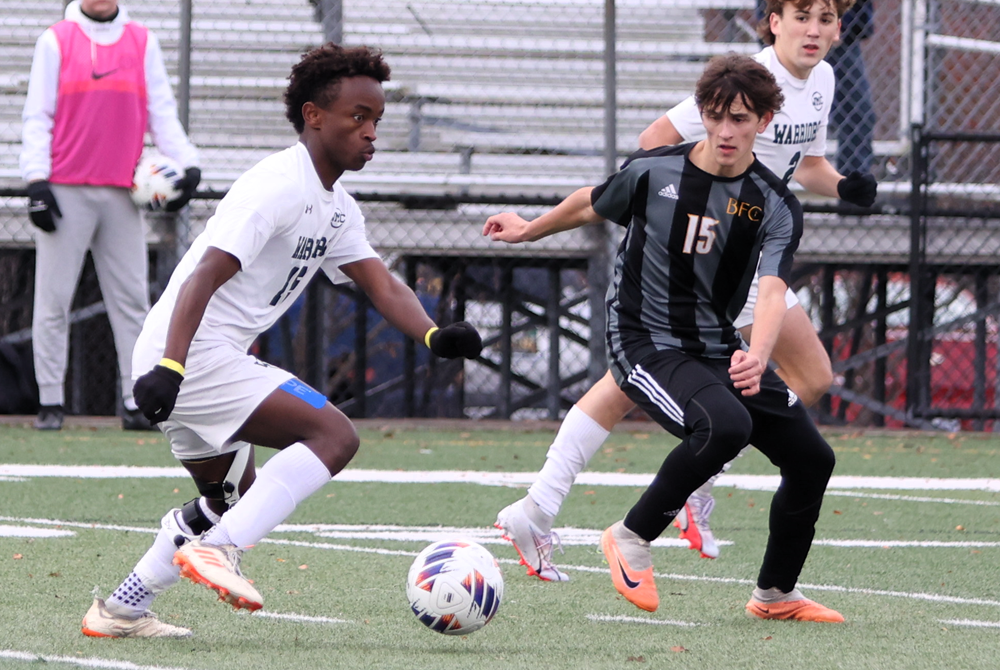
{"type": "Point", "coordinates": [104, 220]}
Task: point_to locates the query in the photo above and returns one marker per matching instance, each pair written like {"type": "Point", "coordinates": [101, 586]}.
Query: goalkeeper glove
{"type": "Point", "coordinates": [858, 189]}
{"type": "Point", "coordinates": [42, 206]}
{"type": "Point", "coordinates": [187, 184]}
{"type": "Point", "coordinates": [459, 340]}
{"type": "Point", "coordinates": [156, 392]}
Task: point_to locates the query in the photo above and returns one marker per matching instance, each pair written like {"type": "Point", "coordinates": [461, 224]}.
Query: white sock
{"type": "Point", "coordinates": [577, 441]}
{"type": "Point", "coordinates": [776, 595]}
{"type": "Point", "coordinates": [290, 477]}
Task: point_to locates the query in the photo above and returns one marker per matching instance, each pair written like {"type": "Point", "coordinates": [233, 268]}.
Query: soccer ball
{"type": "Point", "coordinates": [454, 587]}
{"type": "Point", "coordinates": [155, 181]}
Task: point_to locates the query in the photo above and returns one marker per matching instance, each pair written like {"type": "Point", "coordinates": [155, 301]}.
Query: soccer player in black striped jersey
{"type": "Point", "coordinates": [699, 217]}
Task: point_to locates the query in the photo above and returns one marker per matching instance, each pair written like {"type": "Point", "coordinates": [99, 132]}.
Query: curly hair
{"type": "Point", "coordinates": [727, 77]}
{"type": "Point", "coordinates": [778, 7]}
{"type": "Point", "coordinates": [316, 77]}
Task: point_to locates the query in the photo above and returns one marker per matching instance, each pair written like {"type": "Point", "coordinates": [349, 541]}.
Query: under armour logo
{"type": "Point", "coordinates": [792, 398]}
{"type": "Point", "coordinates": [817, 100]}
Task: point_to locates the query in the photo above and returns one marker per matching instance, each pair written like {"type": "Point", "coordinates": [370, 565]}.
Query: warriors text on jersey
{"type": "Point", "coordinates": [693, 241]}
{"type": "Point", "coordinates": [798, 128]}
{"type": "Point", "coordinates": [282, 226]}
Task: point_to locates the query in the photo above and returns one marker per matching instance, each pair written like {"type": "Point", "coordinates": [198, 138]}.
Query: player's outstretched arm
{"type": "Point", "coordinates": [399, 305]}
{"type": "Point", "coordinates": [573, 212]}
{"type": "Point", "coordinates": [156, 391]}
{"type": "Point", "coordinates": [769, 312]}
{"type": "Point", "coordinates": [659, 133]}
{"type": "Point", "coordinates": [818, 176]}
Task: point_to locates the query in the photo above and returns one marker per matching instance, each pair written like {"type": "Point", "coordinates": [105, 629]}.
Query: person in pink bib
{"type": "Point", "coordinates": [97, 85]}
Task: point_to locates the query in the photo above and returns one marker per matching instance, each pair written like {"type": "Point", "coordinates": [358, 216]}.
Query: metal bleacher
{"type": "Point", "coordinates": [486, 97]}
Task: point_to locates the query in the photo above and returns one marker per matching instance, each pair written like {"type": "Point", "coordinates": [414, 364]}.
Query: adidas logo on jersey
{"type": "Point", "coordinates": [668, 191]}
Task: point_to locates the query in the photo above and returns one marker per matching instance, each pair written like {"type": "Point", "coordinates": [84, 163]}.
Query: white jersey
{"type": "Point", "coordinates": [799, 127]}
{"type": "Point", "coordinates": [283, 226]}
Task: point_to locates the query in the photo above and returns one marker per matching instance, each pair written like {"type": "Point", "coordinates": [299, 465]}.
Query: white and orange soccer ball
{"type": "Point", "coordinates": [454, 587]}
{"type": "Point", "coordinates": [155, 181]}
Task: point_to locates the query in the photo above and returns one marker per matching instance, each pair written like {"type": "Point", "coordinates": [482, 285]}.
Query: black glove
{"type": "Point", "coordinates": [156, 392]}
{"type": "Point", "coordinates": [42, 206]}
{"type": "Point", "coordinates": [459, 340]}
{"type": "Point", "coordinates": [858, 189]}
{"type": "Point", "coordinates": [187, 184]}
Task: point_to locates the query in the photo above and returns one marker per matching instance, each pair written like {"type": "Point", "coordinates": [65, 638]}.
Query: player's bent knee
{"type": "Point", "coordinates": [337, 446]}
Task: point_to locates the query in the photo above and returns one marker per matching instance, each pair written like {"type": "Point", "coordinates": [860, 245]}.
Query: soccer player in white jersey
{"type": "Point", "coordinates": [799, 34]}
{"type": "Point", "coordinates": [283, 221]}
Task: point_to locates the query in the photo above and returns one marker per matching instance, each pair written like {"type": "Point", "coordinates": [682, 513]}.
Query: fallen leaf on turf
{"type": "Point", "coordinates": [303, 567]}
{"type": "Point", "coordinates": [837, 511]}
{"type": "Point", "coordinates": [120, 496]}
{"type": "Point", "coordinates": [959, 527]}
{"type": "Point", "coordinates": [177, 490]}
{"type": "Point", "coordinates": [767, 638]}
{"type": "Point", "coordinates": [18, 557]}
{"type": "Point", "coordinates": [678, 649]}
{"type": "Point", "coordinates": [589, 493]}
{"type": "Point", "coordinates": [637, 659]}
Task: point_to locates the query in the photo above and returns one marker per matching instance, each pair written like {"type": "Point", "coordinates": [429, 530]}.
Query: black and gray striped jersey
{"type": "Point", "coordinates": [691, 248]}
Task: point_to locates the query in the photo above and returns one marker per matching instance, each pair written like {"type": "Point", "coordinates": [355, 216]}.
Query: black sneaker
{"type": "Point", "coordinates": [50, 417]}
{"type": "Point", "coordinates": [133, 419]}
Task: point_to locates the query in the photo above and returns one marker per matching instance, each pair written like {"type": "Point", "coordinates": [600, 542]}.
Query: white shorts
{"type": "Point", "coordinates": [745, 317]}
{"type": "Point", "coordinates": [222, 387]}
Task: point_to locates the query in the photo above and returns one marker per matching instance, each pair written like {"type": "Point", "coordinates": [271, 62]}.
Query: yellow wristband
{"type": "Point", "coordinates": [427, 337]}
{"type": "Point", "coordinates": [172, 365]}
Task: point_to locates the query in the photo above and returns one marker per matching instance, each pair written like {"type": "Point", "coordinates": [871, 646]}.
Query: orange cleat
{"type": "Point", "coordinates": [798, 610]}
{"type": "Point", "coordinates": [218, 568]}
{"type": "Point", "coordinates": [638, 586]}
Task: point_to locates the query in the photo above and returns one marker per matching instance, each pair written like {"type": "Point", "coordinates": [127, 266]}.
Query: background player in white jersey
{"type": "Point", "coordinates": [800, 33]}
{"type": "Point", "coordinates": [283, 221]}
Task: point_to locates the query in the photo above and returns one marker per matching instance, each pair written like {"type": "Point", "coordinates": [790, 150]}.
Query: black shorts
{"type": "Point", "coordinates": [663, 383]}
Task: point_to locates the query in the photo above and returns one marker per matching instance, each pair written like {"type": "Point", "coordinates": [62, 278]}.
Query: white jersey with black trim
{"type": "Point", "coordinates": [797, 130]}
{"type": "Point", "coordinates": [283, 226]}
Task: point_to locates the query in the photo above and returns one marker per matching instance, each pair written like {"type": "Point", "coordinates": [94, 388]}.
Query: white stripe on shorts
{"type": "Point", "coordinates": [646, 383]}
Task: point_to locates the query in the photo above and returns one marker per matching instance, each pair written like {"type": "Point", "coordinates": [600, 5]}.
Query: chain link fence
{"type": "Point", "coordinates": [511, 105]}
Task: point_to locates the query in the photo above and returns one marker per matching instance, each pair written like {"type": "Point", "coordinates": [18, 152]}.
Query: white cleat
{"type": "Point", "coordinates": [693, 522]}
{"type": "Point", "coordinates": [218, 568]}
{"type": "Point", "coordinates": [532, 545]}
{"type": "Point", "coordinates": [99, 622]}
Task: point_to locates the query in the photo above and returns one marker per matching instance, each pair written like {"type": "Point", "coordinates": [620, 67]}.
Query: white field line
{"type": "Point", "coordinates": [27, 531]}
{"type": "Point", "coordinates": [485, 535]}
{"type": "Point", "coordinates": [922, 544]}
{"type": "Point", "coordinates": [517, 479]}
{"type": "Point", "coordinates": [29, 657]}
{"type": "Point", "coordinates": [886, 496]}
{"type": "Point", "coordinates": [297, 617]}
{"type": "Point", "coordinates": [608, 618]}
{"type": "Point", "coordinates": [970, 622]}
{"type": "Point", "coordinates": [930, 597]}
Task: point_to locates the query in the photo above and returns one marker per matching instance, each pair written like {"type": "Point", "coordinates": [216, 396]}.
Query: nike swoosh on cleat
{"type": "Point", "coordinates": [763, 609]}
{"type": "Point", "coordinates": [628, 582]}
